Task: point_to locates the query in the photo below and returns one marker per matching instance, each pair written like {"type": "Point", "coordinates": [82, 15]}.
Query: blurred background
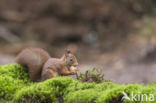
{"type": "Point", "coordinates": [117, 36]}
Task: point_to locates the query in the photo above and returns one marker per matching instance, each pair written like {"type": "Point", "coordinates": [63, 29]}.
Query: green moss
{"type": "Point", "coordinates": [82, 96]}
{"type": "Point", "coordinates": [49, 90]}
{"type": "Point", "coordinates": [16, 86]}
{"type": "Point", "coordinates": [12, 78]}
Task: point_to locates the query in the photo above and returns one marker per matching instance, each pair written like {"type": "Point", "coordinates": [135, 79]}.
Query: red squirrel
{"type": "Point", "coordinates": [42, 66]}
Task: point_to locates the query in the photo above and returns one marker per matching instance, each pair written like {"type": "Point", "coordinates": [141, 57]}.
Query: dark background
{"type": "Point", "coordinates": [115, 35]}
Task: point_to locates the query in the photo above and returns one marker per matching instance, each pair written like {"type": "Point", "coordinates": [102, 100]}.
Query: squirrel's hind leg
{"type": "Point", "coordinates": [47, 74]}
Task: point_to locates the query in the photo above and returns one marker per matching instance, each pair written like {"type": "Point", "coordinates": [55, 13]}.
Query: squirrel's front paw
{"type": "Point", "coordinates": [73, 68]}
{"type": "Point", "coordinates": [73, 72]}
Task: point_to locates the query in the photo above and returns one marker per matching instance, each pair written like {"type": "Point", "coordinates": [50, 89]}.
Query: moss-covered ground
{"type": "Point", "coordinates": [17, 87]}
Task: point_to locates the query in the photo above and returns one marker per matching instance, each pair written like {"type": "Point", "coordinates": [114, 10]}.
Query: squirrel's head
{"type": "Point", "coordinates": [70, 59]}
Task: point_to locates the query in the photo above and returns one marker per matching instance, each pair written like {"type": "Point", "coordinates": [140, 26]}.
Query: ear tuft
{"type": "Point", "coordinates": [68, 51]}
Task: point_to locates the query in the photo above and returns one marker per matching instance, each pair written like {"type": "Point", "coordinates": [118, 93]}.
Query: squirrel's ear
{"type": "Point", "coordinates": [68, 51]}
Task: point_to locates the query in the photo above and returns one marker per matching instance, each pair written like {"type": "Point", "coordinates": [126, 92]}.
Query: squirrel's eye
{"type": "Point", "coordinates": [71, 59]}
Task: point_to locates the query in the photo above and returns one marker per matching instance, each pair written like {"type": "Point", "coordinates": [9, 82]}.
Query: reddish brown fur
{"type": "Point", "coordinates": [41, 66]}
